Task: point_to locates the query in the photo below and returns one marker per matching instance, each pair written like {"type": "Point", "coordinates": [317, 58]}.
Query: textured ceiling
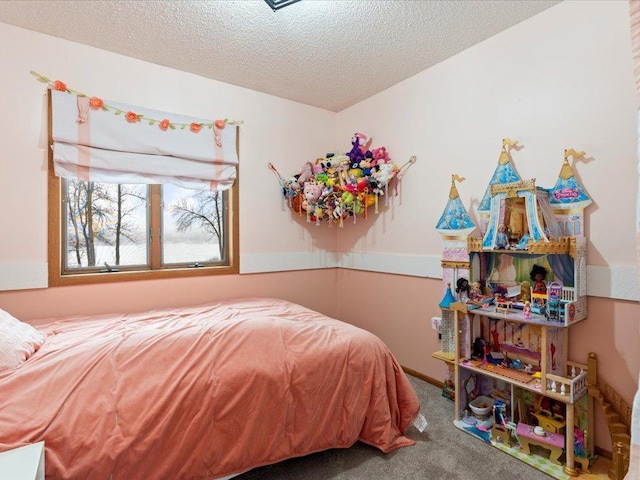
{"type": "Point", "coordinates": [326, 53]}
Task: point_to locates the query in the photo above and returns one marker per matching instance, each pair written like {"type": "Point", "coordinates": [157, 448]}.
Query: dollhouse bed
{"type": "Point", "coordinates": [200, 392]}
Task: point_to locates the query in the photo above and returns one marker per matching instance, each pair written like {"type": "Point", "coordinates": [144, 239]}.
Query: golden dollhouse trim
{"type": "Point", "coordinates": [454, 264]}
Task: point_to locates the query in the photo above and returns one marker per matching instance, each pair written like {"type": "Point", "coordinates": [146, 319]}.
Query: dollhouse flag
{"type": "Point", "coordinates": [126, 144]}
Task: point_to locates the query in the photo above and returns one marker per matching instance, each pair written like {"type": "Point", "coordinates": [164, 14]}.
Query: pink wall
{"type": "Point", "coordinates": [37, 305]}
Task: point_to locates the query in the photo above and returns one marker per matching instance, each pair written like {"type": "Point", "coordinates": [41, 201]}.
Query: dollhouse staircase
{"type": "Point", "coordinates": [617, 414]}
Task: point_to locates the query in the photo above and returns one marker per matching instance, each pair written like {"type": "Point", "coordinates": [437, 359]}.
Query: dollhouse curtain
{"type": "Point", "coordinates": [562, 267]}
{"type": "Point", "coordinates": [634, 12]}
{"type": "Point", "coordinates": [130, 144]}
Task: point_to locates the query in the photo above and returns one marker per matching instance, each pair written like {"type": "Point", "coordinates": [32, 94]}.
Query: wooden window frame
{"type": "Point", "coordinates": [55, 239]}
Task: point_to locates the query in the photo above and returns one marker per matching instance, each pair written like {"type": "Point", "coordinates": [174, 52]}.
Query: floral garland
{"type": "Point", "coordinates": [96, 103]}
{"type": "Point", "coordinates": [342, 185]}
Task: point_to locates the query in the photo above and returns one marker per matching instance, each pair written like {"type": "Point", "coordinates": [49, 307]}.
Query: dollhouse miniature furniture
{"type": "Point", "coordinates": [548, 440]}
{"type": "Point", "coordinates": [503, 306]}
{"type": "Point", "coordinates": [23, 463]}
{"type": "Point", "coordinates": [551, 222]}
{"type": "Point", "coordinates": [550, 422]}
{"type": "Point", "coordinates": [502, 432]}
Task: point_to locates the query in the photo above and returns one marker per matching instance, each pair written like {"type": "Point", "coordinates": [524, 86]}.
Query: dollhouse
{"type": "Point", "coordinates": [510, 342]}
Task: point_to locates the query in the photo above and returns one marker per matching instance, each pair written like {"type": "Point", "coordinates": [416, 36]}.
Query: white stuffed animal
{"type": "Point", "coordinates": [385, 173]}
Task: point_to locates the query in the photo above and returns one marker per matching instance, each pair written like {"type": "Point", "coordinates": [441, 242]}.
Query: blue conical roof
{"type": "Point", "coordinates": [504, 173]}
{"type": "Point", "coordinates": [455, 218]}
{"type": "Point", "coordinates": [568, 192]}
{"type": "Point", "coordinates": [448, 298]}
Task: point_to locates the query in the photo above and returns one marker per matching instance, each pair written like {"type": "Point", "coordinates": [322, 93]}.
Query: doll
{"type": "Point", "coordinates": [538, 275]}
{"type": "Point", "coordinates": [526, 311]}
{"type": "Point", "coordinates": [475, 294]}
{"type": "Point", "coordinates": [476, 291]}
{"type": "Point", "coordinates": [502, 240]}
{"type": "Point", "coordinates": [463, 290]}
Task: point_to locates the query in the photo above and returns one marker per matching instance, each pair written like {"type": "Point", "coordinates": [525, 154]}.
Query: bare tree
{"type": "Point", "coordinates": [202, 209]}
{"type": "Point", "coordinates": [98, 214]}
{"type": "Point", "coordinates": [87, 216]}
{"type": "Point", "coordinates": [127, 200]}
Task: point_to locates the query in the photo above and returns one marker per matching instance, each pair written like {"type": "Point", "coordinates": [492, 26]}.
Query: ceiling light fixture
{"type": "Point", "coordinates": [278, 4]}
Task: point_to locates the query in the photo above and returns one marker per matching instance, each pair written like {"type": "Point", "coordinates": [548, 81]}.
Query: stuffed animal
{"type": "Point", "coordinates": [318, 168]}
{"type": "Point", "coordinates": [354, 174]}
{"type": "Point", "coordinates": [322, 178]}
{"type": "Point", "coordinates": [352, 203]}
{"type": "Point", "coordinates": [328, 161]}
{"type": "Point", "coordinates": [305, 174]}
{"type": "Point", "coordinates": [311, 193]}
{"type": "Point", "coordinates": [385, 173]}
{"type": "Point", "coordinates": [379, 156]}
{"type": "Point", "coordinates": [365, 166]}
{"type": "Point", "coordinates": [359, 143]}
{"type": "Point", "coordinates": [341, 165]}
{"type": "Point", "coordinates": [326, 191]}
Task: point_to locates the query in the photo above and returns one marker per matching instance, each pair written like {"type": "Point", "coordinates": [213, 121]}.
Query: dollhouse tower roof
{"type": "Point", "coordinates": [568, 193]}
{"type": "Point", "coordinates": [448, 298]}
{"type": "Point", "coordinates": [505, 173]}
{"type": "Point", "coordinates": [455, 219]}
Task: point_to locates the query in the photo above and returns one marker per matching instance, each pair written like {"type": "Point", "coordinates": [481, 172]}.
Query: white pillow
{"type": "Point", "coordinates": [18, 341]}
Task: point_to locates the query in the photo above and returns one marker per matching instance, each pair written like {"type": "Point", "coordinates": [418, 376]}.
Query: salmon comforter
{"type": "Point", "coordinates": [202, 392]}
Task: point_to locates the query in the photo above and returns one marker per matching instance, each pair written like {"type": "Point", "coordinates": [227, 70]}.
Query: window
{"type": "Point", "coordinates": [115, 232]}
{"type": "Point", "coordinates": [136, 193]}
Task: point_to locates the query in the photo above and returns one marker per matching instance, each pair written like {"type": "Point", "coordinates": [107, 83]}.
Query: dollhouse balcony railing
{"type": "Point", "coordinates": [571, 388]}
{"type": "Point", "coordinates": [568, 294]}
{"type": "Point", "coordinates": [554, 246]}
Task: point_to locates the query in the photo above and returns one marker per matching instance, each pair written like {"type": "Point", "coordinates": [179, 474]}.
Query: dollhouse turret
{"type": "Point", "coordinates": [505, 172]}
{"type": "Point", "coordinates": [568, 198]}
{"type": "Point", "coordinates": [447, 325]}
{"type": "Point", "coordinates": [455, 225]}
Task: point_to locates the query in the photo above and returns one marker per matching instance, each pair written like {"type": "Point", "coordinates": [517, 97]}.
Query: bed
{"type": "Point", "coordinates": [200, 392]}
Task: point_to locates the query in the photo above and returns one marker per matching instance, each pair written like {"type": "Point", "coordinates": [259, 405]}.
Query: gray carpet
{"type": "Point", "coordinates": [441, 452]}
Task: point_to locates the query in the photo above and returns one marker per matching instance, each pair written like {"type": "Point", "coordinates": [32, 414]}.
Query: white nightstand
{"type": "Point", "coordinates": [24, 463]}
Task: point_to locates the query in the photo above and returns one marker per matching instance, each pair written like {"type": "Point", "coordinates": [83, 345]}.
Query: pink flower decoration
{"type": "Point", "coordinates": [60, 86]}
{"type": "Point", "coordinates": [220, 124]}
{"type": "Point", "coordinates": [195, 127]}
{"type": "Point", "coordinates": [164, 124]}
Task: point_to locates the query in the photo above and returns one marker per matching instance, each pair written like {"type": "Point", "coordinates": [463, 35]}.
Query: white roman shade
{"type": "Point", "coordinates": [110, 142]}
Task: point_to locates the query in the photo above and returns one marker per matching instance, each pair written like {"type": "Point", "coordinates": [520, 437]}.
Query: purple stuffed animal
{"type": "Point", "coordinates": [358, 151]}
